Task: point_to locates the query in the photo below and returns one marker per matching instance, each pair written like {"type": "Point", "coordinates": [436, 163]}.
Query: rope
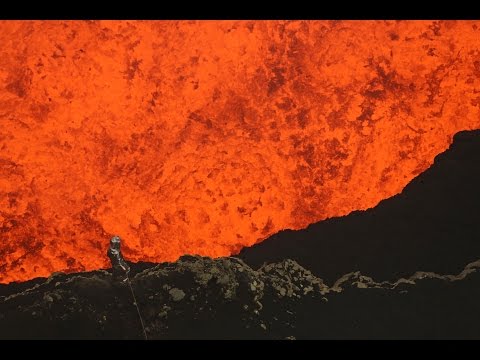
{"type": "Point", "coordinates": [138, 310]}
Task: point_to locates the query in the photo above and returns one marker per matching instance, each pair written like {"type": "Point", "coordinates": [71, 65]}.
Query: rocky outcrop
{"type": "Point", "coordinates": [200, 298]}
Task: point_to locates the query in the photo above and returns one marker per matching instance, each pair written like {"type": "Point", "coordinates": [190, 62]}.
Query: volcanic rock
{"type": "Point", "coordinates": [203, 298]}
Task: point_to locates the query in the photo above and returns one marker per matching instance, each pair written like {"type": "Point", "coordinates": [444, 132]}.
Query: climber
{"type": "Point", "coordinates": [119, 265]}
{"type": "Point", "coordinates": [120, 273]}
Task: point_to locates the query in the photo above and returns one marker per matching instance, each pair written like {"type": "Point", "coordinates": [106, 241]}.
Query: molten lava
{"type": "Point", "coordinates": [203, 137]}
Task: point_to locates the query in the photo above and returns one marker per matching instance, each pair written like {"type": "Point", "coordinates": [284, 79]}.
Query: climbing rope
{"type": "Point", "coordinates": [136, 305]}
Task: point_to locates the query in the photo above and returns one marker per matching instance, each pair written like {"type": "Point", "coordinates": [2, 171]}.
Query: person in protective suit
{"type": "Point", "coordinates": [119, 265]}
{"type": "Point", "coordinates": [120, 274]}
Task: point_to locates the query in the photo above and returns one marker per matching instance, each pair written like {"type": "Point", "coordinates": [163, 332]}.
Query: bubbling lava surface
{"type": "Point", "coordinates": [203, 137]}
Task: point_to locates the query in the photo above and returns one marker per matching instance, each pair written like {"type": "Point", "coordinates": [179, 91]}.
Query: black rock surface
{"type": "Point", "coordinates": [433, 225]}
{"type": "Point", "coordinates": [202, 298]}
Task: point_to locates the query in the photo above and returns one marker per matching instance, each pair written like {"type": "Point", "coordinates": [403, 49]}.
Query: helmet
{"type": "Point", "coordinates": [115, 242]}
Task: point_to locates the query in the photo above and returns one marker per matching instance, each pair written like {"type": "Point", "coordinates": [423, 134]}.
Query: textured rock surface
{"type": "Point", "coordinates": [199, 298]}
{"type": "Point", "coordinates": [191, 137]}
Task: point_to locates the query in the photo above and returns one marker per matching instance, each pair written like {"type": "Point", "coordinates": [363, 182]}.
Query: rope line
{"type": "Point", "coordinates": [138, 310]}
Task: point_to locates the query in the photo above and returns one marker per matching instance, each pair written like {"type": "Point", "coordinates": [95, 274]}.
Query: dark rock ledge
{"type": "Point", "coordinates": [202, 298]}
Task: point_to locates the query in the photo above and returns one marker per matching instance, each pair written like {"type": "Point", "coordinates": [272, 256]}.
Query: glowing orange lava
{"type": "Point", "coordinates": [203, 137]}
